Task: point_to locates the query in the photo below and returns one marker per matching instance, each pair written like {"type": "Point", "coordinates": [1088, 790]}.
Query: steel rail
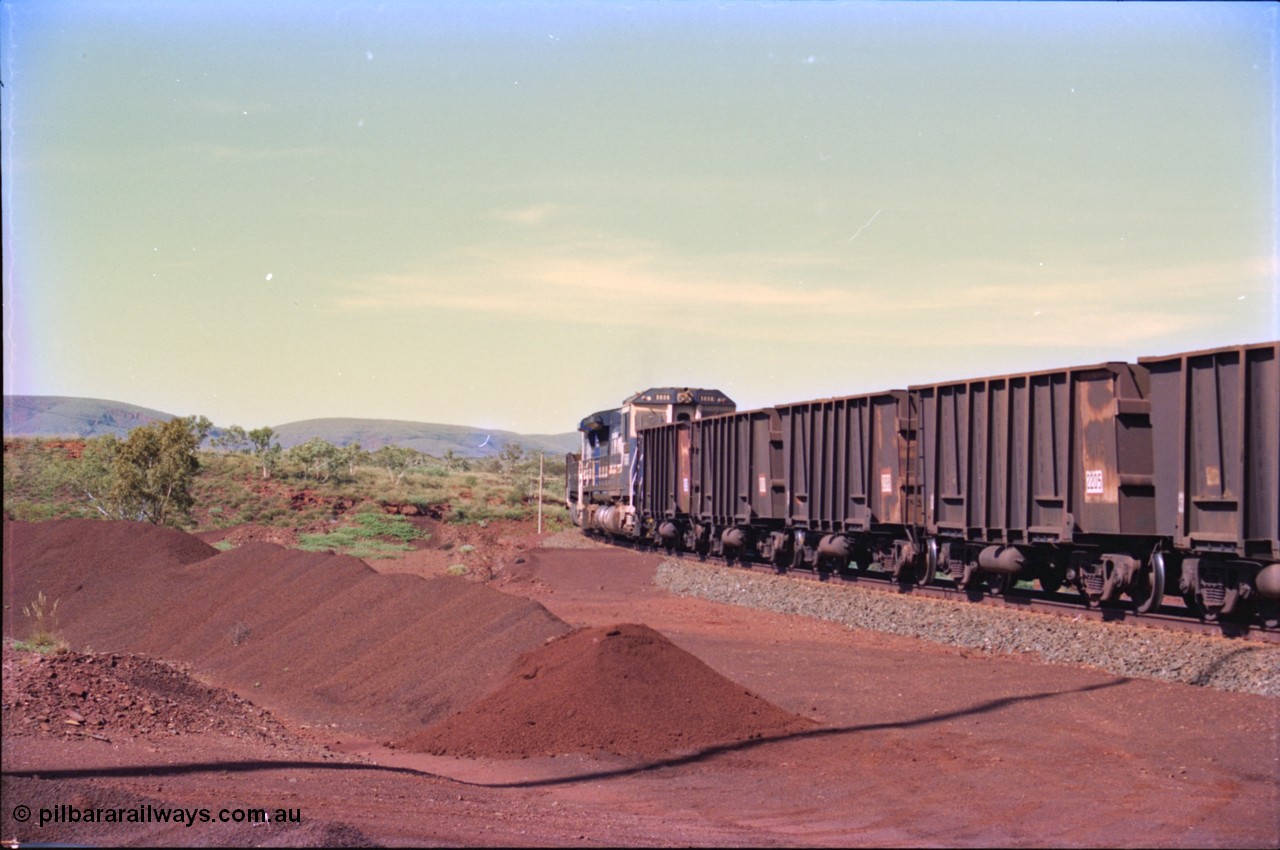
{"type": "Point", "coordinates": [1171, 616]}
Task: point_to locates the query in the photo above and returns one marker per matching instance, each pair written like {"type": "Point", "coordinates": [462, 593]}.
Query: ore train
{"type": "Point", "coordinates": [1124, 481]}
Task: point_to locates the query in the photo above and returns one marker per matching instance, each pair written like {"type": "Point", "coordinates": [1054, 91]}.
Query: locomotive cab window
{"type": "Point", "coordinates": [648, 418]}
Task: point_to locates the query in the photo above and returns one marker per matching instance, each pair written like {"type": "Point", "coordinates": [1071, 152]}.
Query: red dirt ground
{"type": "Point", "coordinates": [565, 700]}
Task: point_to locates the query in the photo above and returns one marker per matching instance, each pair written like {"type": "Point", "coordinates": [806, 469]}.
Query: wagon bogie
{"type": "Point", "coordinates": [1222, 588]}
{"type": "Point", "coordinates": [1105, 577]}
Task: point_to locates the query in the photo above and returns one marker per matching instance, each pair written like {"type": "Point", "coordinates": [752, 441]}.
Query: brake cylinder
{"type": "Point", "coordinates": [732, 541]}
{"type": "Point", "coordinates": [834, 546]}
{"type": "Point", "coordinates": [1001, 559]}
{"type": "Point", "coordinates": [1269, 581]}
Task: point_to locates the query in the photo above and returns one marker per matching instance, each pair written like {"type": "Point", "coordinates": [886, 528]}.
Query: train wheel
{"type": "Point", "coordinates": [927, 567]}
{"type": "Point", "coordinates": [1148, 590]}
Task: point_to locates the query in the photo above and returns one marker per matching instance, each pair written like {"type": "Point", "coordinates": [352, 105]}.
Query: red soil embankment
{"type": "Point", "coordinates": [452, 665]}
{"type": "Point", "coordinates": [320, 636]}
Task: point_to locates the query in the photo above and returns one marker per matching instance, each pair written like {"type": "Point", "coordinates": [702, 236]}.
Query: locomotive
{"type": "Point", "coordinates": [1124, 481]}
{"type": "Point", "coordinates": [603, 478]}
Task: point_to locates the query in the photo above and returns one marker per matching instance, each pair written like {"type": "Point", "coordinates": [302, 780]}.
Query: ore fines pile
{"type": "Point", "coordinates": [110, 697]}
{"type": "Point", "coordinates": [1140, 652]}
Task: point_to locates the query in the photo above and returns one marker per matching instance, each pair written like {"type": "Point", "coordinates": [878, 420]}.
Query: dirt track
{"type": "Point", "coordinates": [725, 726]}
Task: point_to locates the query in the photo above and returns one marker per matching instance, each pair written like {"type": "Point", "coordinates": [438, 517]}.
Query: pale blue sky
{"type": "Point", "coordinates": [510, 214]}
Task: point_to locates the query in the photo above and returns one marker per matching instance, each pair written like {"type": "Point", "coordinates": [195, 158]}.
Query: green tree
{"type": "Point", "coordinates": [350, 456]}
{"type": "Point", "coordinates": [509, 459]}
{"type": "Point", "coordinates": [265, 449]}
{"type": "Point", "coordinates": [233, 439]}
{"type": "Point", "coordinates": [201, 426]}
{"type": "Point", "coordinates": [91, 476]}
{"type": "Point", "coordinates": [452, 462]}
{"type": "Point", "coordinates": [317, 457]}
{"type": "Point", "coordinates": [152, 471]}
{"type": "Point", "coordinates": [398, 460]}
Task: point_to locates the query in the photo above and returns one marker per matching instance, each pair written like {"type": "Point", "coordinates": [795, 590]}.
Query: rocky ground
{"type": "Point", "coordinates": [111, 697]}
{"type": "Point", "coordinates": [561, 693]}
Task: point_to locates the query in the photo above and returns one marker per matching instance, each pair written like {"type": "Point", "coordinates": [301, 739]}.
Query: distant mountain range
{"type": "Point", "coordinates": [62, 416]}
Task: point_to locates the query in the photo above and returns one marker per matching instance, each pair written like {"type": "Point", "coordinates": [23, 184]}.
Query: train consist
{"type": "Point", "coordinates": [1125, 481]}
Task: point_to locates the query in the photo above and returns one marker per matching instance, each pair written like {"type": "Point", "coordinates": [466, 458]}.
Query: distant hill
{"type": "Point", "coordinates": [428, 438]}
{"type": "Point", "coordinates": [62, 416]}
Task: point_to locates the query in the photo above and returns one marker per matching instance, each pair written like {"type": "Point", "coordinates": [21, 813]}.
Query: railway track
{"type": "Point", "coordinates": [1171, 616]}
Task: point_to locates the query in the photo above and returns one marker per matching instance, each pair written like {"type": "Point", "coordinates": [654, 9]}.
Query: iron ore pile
{"type": "Point", "coordinates": [1125, 650]}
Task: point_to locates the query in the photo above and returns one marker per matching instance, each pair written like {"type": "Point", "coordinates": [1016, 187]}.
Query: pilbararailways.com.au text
{"type": "Point", "coordinates": [65, 814]}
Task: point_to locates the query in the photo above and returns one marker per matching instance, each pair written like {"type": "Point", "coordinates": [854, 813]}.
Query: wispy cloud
{"type": "Point", "coordinates": [634, 287]}
{"type": "Point", "coordinates": [231, 153]}
{"type": "Point", "coordinates": [1083, 308]}
{"type": "Point", "coordinates": [630, 289]}
{"type": "Point", "coordinates": [531, 215]}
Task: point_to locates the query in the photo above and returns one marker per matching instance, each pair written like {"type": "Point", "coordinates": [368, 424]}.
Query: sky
{"type": "Point", "coordinates": [512, 214]}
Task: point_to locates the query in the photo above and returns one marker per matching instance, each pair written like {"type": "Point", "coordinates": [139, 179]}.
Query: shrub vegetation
{"type": "Point", "coordinates": [42, 618]}
{"type": "Point", "coordinates": [171, 474]}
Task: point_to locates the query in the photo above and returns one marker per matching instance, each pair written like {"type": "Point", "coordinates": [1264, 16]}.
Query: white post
{"type": "Point", "coordinates": [541, 455]}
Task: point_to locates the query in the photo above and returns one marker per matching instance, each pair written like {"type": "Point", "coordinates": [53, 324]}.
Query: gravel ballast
{"type": "Point", "coordinates": [1126, 650]}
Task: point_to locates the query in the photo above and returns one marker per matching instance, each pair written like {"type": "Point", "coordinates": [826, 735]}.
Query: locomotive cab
{"type": "Point", "coordinates": [603, 477]}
